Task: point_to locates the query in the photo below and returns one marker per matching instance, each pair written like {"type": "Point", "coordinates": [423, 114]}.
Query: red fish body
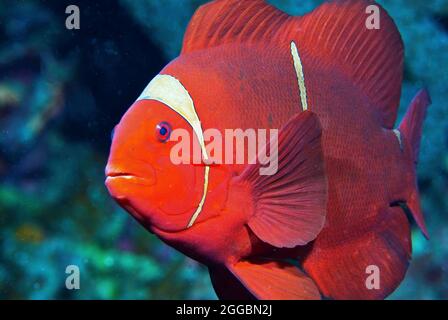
{"type": "Point", "coordinates": [343, 167]}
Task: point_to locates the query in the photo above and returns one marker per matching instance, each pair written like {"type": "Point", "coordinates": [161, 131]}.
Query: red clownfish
{"type": "Point", "coordinates": [334, 207]}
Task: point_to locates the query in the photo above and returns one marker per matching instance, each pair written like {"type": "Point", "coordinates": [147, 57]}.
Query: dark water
{"type": "Point", "coordinates": [62, 92]}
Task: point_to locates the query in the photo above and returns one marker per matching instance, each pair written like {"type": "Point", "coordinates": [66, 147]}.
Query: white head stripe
{"type": "Point", "coordinates": [300, 76]}
{"type": "Point", "coordinates": [170, 91]}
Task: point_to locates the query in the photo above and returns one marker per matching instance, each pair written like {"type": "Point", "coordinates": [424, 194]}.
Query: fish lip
{"type": "Point", "coordinates": [119, 174]}
{"type": "Point", "coordinates": [130, 177]}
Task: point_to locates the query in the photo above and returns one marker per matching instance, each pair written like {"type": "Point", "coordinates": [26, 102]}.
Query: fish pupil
{"type": "Point", "coordinates": [163, 131]}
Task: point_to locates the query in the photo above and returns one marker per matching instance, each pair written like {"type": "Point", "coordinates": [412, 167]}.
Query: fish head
{"type": "Point", "coordinates": [141, 174]}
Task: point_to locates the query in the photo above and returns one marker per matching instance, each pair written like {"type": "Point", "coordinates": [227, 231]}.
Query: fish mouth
{"type": "Point", "coordinates": [119, 174]}
{"type": "Point", "coordinates": [134, 188]}
{"type": "Point", "coordinates": [116, 177]}
{"type": "Point", "coordinates": [118, 184]}
{"type": "Point", "coordinates": [115, 174]}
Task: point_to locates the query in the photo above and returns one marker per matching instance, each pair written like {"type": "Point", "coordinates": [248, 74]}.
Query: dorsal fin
{"type": "Point", "coordinates": [335, 34]}
{"type": "Point", "coordinates": [232, 21]}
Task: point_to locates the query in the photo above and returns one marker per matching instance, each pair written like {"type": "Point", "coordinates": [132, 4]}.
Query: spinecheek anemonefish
{"type": "Point", "coordinates": [335, 206]}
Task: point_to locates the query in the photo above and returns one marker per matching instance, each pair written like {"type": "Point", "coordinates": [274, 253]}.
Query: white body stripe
{"type": "Point", "coordinates": [300, 76]}
{"type": "Point", "coordinates": [170, 91]}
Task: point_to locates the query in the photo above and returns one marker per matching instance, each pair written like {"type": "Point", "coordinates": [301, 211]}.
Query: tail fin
{"type": "Point", "coordinates": [411, 130]}
{"type": "Point", "coordinates": [412, 124]}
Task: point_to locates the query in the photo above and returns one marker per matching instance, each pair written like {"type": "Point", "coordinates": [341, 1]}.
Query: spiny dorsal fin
{"type": "Point", "coordinates": [335, 34]}
{"type": "Point", "coordinates": [232, 21]}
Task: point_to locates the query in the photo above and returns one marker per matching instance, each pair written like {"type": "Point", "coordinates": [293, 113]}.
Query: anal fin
{"type": "Point", "coordinates": [227, 286]}
{"type": "Point", "coordinates": [275, 280]}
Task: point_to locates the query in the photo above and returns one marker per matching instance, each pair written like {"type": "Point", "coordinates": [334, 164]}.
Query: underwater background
{"type": "Point", "coordinates": [61, 93]}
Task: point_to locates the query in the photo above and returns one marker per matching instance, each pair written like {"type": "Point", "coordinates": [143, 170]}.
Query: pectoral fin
{"type": "Point", "coordinates": [290, 205]}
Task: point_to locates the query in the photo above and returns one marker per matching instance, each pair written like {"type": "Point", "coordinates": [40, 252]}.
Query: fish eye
{"type": "Point", "coordinates": [163, 131]}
